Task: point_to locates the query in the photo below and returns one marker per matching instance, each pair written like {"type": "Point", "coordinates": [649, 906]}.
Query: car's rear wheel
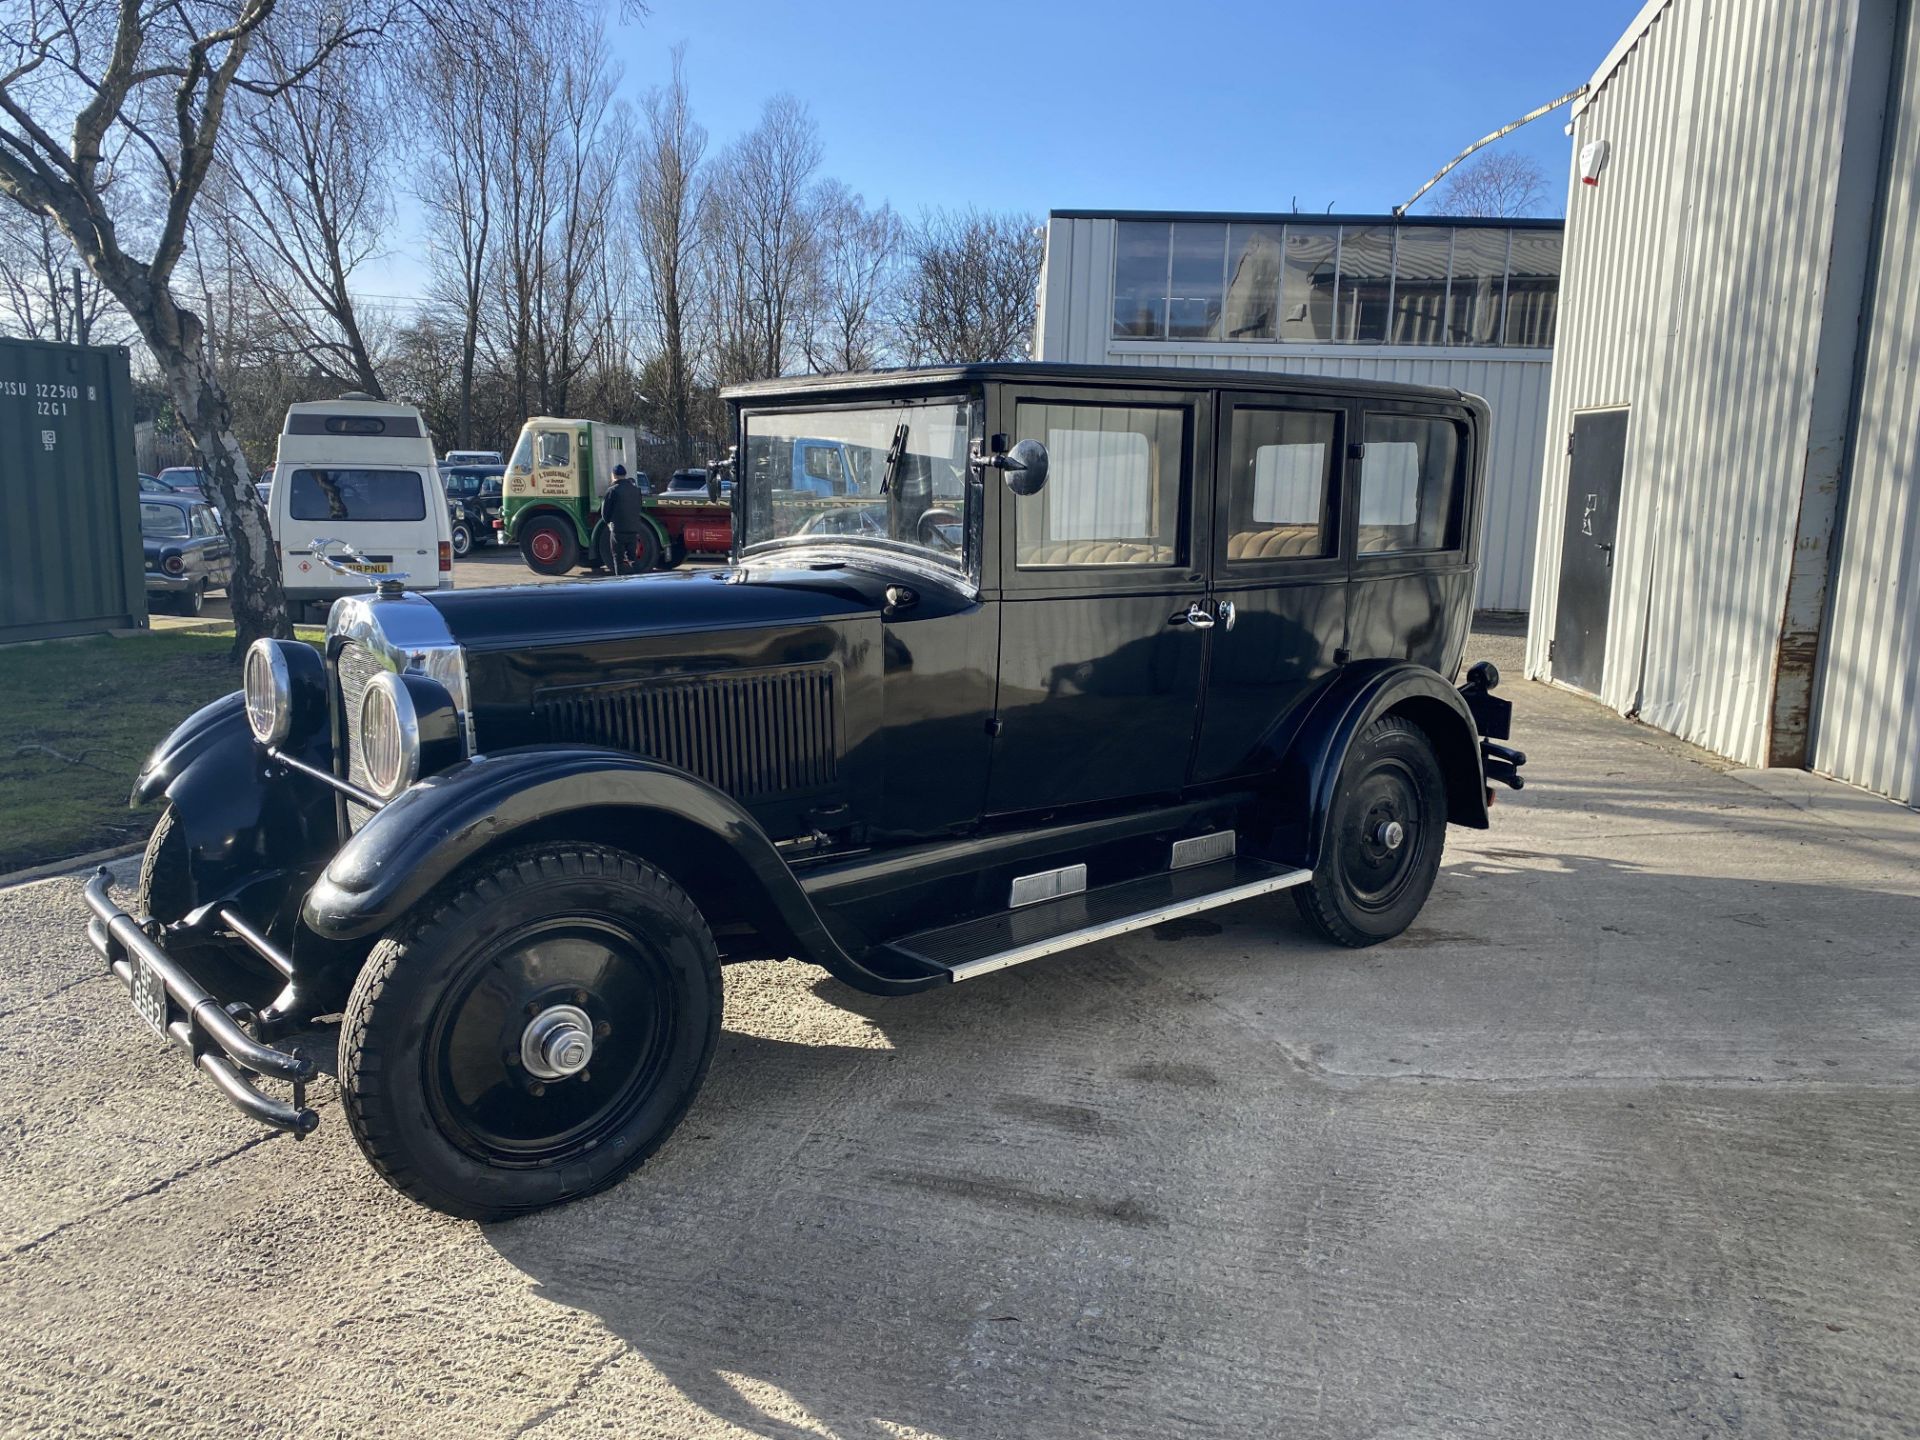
{"type": "Point", "coordinates": [550, 546]}
{"type": "Point", "coordinates": [1384, 837]}
{"type": "Point", "coordinates": [192, 600]}
{"type": "Point", "coordinates": [533, 1034]}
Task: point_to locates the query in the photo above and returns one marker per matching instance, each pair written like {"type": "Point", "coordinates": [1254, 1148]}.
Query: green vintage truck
{"type": "Point", "coordinates": [556, 477]}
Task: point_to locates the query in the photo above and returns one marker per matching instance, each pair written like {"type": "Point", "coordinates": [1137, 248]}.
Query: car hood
{"type": "Point", "coordinates": [572, 613]}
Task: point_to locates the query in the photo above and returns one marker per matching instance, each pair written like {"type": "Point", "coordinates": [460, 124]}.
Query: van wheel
{"type": "Point", "coordinates": [535, 1033]}
{"type": "Point", "coordinates": [550, 547]}
{"type": "Point", "coordinates": [1384, 837]}
{"type": "Point", "coordinates": [462, 540]}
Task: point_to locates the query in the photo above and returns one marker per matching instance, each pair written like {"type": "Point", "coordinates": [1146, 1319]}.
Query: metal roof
{"type": "Point", "coordinates": [1311, 217]}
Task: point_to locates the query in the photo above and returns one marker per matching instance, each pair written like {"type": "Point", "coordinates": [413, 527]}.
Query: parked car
{"type": "Point", "coordinates": [478, 488]}
{"type": "Point", "coordinates": [150, 485]}
{"type": "Point", "coordinates": [183, 479]}
{"type": "Point", "coordinates": [186, 553]}
{"type": "Point", "coordinates": [469, 527]}
{"type": "Point", "coordinates": [1127, 645]}
{"type": "Point", "coordinates": [492, 459]}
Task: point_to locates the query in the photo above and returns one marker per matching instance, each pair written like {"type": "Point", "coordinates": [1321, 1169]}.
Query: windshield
{"type": "Point", "coordinates": [163, 522]}
{"type": "Point", "coordinates": [825, 473]}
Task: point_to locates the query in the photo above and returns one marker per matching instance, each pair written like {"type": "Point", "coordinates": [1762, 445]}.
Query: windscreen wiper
{"type": "Point", "coordinates": [896, 452]}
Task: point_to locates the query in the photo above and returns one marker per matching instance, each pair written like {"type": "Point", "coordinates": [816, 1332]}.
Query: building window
{"type": "Point", "coordinates": [1391, 283]}
{"type": "Point", "coordinates": [1140, 280]}
{"type": "Point", "coordinates": [1196, 278]}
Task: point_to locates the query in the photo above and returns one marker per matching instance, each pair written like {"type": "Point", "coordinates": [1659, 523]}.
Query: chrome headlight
{"type": "Point", "coordinates": [389, 736]}
{"type": "Point", "coordinates": [268, 686]}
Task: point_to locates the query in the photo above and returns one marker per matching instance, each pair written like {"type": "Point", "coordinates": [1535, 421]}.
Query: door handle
{"type": "Point", "coordinates": [1227, 613]}
{"type": "Point", "coordinates": [1195, 615]}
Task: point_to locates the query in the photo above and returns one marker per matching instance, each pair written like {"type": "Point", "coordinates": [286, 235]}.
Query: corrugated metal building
{"type": "Point", "coordinates": [70, 555]}
{"type": "Point", "coordinates": [1729, 541]}
{"type": "Point", "coordinates": [1468, 304]}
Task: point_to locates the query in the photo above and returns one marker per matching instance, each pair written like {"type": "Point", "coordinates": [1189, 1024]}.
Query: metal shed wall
{"type": "Point", "coordinates": [70, 557]}
{"type": "Point", "coordinates": [1693, 291]}
{"type": "Point", "coordinates": [1075, 325]}
{"type": "Point", "coordinates": [1867, 725]}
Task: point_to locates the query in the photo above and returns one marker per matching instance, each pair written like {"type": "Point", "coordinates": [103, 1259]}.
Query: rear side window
{"type": "Point", "coordinates": [1410, 485]}
{"type": "Point", "coordinates": [1280, 465]}
{"type": "Point", "coordinates": [357, 495]}
{"type": "Point", "coordinates": [1112, 495]}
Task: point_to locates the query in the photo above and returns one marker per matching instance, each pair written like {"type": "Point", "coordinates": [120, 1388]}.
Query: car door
{"type": "Point", "coordinates": [1278, 574]}
{"type": "Point", "coordinates": [1102, 619]}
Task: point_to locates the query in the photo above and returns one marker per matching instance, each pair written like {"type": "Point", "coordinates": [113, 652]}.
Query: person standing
{"type": "Point", "coordinates": [625, 512]}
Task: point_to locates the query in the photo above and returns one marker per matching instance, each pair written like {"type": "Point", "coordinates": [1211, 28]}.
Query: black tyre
{"type": "Point", "coordinates": [166, 886]}
{"type": "Point", "coordinates": [676, 556]}
{"type": "Point", "coordinates": [1384, 837]}
{"type": "Point", "coordinates": [193, 600]}
{"type": "Point", "coordinates": [465, 1075]}
{"type": "Point", "coordinates": [648, 554]}
{"type": "Point", "coordinates": [462, 539]}
{"type": "Point", "coordinates": [549, 546]}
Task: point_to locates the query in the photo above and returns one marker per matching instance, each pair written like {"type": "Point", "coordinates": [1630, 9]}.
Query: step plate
{"type": "Point", "coordinates": [994, 942]}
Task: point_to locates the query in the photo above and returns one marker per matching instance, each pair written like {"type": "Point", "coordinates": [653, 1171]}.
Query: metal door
{"type": "Point", "coordinates": [1597, 453]}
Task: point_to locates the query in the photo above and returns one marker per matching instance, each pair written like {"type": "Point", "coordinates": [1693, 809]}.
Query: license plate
{"type": "Point", "coordinates": [150, 996]}
{"type": "Point", "coordinates": [379, 569]}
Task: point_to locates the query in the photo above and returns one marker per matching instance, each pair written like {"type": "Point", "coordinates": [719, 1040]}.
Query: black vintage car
{"type": "Point", "coordinates": [186, 552]}
{"type": "Point", "coordinates": [474, 500]}
{"type": "Point", "coordinates": [1097, 648]}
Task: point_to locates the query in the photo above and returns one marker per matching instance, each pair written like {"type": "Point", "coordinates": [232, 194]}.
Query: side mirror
{"type": "Point", "coordinates": [1026, 467]}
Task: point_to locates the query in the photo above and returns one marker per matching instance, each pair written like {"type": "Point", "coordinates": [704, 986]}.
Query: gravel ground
{"type": "Point", "coordinates": [1620, 1140]}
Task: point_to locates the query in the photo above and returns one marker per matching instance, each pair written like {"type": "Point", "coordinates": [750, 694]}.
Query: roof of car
{"type": "Point", "coordinates": [1054, 372]}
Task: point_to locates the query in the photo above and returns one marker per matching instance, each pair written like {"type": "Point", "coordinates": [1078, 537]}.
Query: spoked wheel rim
{"type": "Point", "coordinates": [556, 1034]}
{"type": "Point", "coordinates": [1385, 834]}
{"type": "Point", "coordinates": [545, 546]}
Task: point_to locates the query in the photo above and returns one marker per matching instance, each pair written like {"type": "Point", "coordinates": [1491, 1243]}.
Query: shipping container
{"type": "Point", "coordinates": [70, 558]}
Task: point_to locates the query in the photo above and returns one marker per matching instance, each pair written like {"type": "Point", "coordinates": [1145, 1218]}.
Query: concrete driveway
{"type": "Point", "coordinates": [1620, 1141]}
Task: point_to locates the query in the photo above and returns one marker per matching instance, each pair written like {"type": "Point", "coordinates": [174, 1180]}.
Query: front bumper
{"type": "Point", "coordinates": [182, 1010]}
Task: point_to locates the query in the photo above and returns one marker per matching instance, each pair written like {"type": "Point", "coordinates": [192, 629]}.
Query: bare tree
{"type": "Point", "coordinates": [45, 293]}
{"type": "Point", "coordinates": [1499, 185]}
{"type": "Point", "coordinates": [766, 231]}
{"type": "Point", "coordinates": [971, 285]}
{"type": "Point", "coordinates": [669, 197]}
{"type": "Point", "coordinates": [458, 189]}
{"type": "Point", "coordinates": [154, 76]}
{"type": "Point", "coordinates": [857, 256]}
{"type": "Point", "coordinates": [310, 194]}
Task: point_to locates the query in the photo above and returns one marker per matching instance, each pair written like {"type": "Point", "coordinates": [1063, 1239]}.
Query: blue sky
{"type": "Point", "coordinates": [1177, 104]}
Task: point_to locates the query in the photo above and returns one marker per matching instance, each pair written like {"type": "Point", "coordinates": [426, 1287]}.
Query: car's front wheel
{"type": "Point", "coordinates": [462, 539]}
{"type": "Point", "coordinates": [533, 1034]}
{"type": "Point", "coordinates": [1384, 836]}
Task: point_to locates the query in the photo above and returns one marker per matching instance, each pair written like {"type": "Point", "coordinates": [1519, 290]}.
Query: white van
{"type": "Point", "coordinates": [359, 473]}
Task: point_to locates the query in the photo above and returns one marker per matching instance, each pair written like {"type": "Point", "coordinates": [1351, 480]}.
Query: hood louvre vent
{"type": "Point", "coordinates": [753, 734]}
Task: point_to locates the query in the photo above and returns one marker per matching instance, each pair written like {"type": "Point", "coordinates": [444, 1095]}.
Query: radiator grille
{"type": "Point", "coordinates": [357, 666]}
{"type": "Point", "coordinates": [763, 733]}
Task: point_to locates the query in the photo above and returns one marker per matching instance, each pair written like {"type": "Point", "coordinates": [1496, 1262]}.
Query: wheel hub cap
{"type": "Point", "coordinates": [557, 1042]}
{"type": "Point", "coordinates": [1390, 835]}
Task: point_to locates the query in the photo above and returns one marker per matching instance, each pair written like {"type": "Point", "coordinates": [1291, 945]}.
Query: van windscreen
{"type": "Point", "coordinates": [357, 495]}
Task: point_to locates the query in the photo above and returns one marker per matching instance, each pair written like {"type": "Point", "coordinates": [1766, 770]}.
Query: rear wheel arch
{"type": "Point", "coordinates": [1456, 745]}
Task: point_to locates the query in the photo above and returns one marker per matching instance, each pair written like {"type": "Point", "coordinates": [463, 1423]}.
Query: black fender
{"type": "Point", "coordinates": [242, 819]}
{"type": "Point", "coordinates": [1359, 695]}
{"type": "Point", "coordinates": [700, 835]}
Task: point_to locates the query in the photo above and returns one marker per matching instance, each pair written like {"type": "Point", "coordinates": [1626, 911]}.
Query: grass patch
{"type": "Point", "coordinates": [80, 716]}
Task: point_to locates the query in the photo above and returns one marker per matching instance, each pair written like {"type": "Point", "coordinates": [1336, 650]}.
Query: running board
{"type": "Point", "coordinates": [993, 942]}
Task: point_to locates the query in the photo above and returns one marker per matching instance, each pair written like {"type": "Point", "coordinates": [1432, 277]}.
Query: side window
{"type": "Point", "coordinates": [1410, 485]}
{"type": "Point", "coordinates": [1279, 475]}
{"type": "Point", "coordinates": [1112, 495]}
{"type": "Point", "coordinates": [556, 449]}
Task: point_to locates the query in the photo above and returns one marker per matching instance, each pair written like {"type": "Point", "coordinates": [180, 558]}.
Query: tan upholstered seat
{"type": "Point", "coordinates": [1097, 552]}
{"type": "Point", "coordinates": [1275, 543]}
